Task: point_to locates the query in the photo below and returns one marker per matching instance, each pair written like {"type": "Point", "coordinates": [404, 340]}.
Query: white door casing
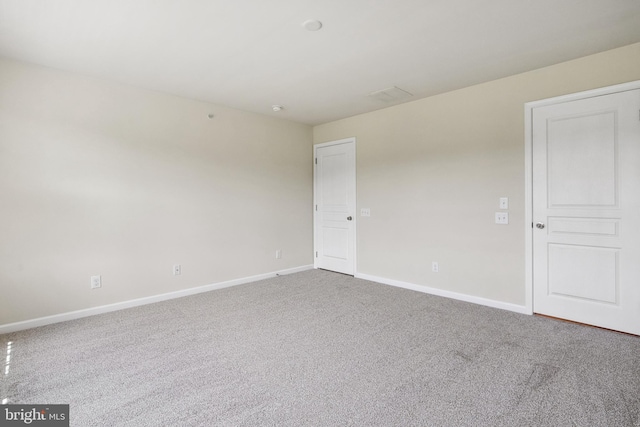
{"type": "Point", "coordinates": [335, 206]}
{"type": "Point", "coordinates": [585, 189]}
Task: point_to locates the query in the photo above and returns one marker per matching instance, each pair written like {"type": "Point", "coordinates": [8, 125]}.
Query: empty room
{"type": "Point", "coordinates": [305, 213]}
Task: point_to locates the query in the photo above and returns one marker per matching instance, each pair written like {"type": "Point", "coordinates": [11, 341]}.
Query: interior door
{"type": "Point", "coordinates": [586, 210]}
{"type": "Point", "coordinates": [335, 202]}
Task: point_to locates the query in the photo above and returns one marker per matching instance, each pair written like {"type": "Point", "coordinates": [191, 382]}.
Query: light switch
{"type": "Point", "coordinates": [502, 218]}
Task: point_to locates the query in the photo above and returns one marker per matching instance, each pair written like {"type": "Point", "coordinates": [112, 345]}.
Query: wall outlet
{"type": "Point", "coordinates": [96, 282]}
{"type": "Point", "coordinates": [365, 212]}
{"type": "Point", "coordinates": [502, 218]}
{"type": "Point", "coordinates": [278, 253]}
{"type": "Point", "coordinates": [177, 270]}
{"type": "Point", "coordinates": [434, 267]}
{"type": "Point", "coordinates": [504, 203]}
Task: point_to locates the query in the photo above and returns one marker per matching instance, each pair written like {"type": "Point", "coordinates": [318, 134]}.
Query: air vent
{"type": "Point", "coordinates": [390, 94]}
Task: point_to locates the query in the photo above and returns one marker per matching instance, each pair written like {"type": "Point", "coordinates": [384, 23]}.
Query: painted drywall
{"type": "Point", "coordinates": [432, 172]}
{"type": "Point", "coordinates": [104, 179]}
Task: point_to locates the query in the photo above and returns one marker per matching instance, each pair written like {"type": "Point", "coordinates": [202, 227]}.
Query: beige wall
{"type": "Point", "coordinates": [432, 172]}
{"type": "Point", "coordinates": [100, 178]}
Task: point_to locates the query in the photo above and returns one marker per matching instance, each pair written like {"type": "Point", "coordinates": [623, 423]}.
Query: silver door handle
{"type": "Point", "coordinates": [349, 218]}
{"type": "Point", "coordinates": [540, 225]}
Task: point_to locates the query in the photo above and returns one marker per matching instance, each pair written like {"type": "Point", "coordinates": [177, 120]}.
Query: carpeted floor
{"type": "Point", "coordinates": [323, 349]}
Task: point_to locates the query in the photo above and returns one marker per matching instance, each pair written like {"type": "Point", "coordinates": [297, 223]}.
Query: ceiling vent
{"type": "Point", "coordinates": [390, 94]}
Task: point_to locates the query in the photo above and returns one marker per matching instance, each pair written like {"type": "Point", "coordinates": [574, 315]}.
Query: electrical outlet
{"type": "Point", "coordinates": [96, 282]}
{"type": "Point", "coordinates": [434, 267]}
{"type": "Point", "coordinates": [278, 253]}
{"type": "Point", "coordinates": [365, 212]}
{"type": "Point", "coordinates": [502, 218]}
{"type": "Point", "coordinates": [177, 270]}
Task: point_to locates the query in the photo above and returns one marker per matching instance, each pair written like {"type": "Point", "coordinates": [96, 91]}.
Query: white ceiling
{"type": "Point", "coordinates": [251, 54]}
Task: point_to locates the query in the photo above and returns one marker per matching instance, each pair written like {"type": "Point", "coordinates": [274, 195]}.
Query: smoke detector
{"type": "Point", "coordinates": [312, 25]}
{"type": "Point", "coordinates": [277, 108]}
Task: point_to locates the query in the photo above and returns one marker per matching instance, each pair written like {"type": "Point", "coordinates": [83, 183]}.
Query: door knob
{"type": "Point", "coordinates": [349, 218]}
{"type": "Point", "coordinates": [540, 225]}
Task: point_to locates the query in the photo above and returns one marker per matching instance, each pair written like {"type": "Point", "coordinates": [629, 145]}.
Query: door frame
{"type": "Point", "coordinates": [528, 170]}
{"type": "Point", "coordinates": [352, 140]}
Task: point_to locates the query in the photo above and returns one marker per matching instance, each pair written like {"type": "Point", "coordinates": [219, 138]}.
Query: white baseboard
{"type": "Point", "coordinates": [56, 318]}
{"type": "Point", "coordinates": [448, 294]}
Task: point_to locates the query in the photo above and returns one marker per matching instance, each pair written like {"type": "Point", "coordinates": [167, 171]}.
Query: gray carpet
{"type": "Point", "coordinates": [322, 349]}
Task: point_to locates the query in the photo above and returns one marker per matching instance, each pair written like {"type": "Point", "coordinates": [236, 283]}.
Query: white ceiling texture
{"type": "Point", "coordinates": [251, 54]}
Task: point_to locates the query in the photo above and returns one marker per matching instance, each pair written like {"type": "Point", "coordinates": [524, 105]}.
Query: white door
{"type": "Point", "coordinates": [586, 210]}
{"type": "Point", "coordinates": [335, 205]}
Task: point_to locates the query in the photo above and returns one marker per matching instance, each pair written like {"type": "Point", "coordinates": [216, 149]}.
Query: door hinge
{"type": "Point", "coordinates": [316, 207]}
{"type": "Point", "coordinates": [531, 225]}
{"type": "Point", "coordinates": [316, 160]}
{"type": "Point", "coordinates": [316, 254]}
